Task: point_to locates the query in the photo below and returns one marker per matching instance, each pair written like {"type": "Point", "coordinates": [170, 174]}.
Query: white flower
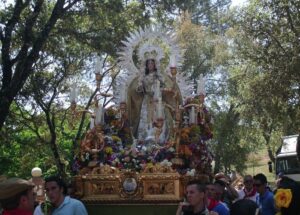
{"type": "Point", "coordinates": [171, 149]}
{"type": "Point", "coordinates": [169, 164]}
{"type": "Point", "coordinates": [191, 172]}
{"type": "Point", "coordinates": [144, 148]}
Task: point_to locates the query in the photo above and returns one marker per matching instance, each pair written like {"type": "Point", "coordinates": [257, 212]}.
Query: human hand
{"type": "Point", "coordinates": [213, 213]}
{"type": "Point", "coordinates": [179, 209]}
{"type": "Point", "coordinates": [140, 88]}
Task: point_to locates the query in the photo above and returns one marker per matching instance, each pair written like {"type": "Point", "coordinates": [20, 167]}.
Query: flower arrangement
{"type": "Point", "coordinates": [123, 152]}
{"type": "Point", "coordinates": [192, 100]}
{"type": "Point", "coordinates": [47, 207]}
{"type": "Point", "coordinates": [283, 198]}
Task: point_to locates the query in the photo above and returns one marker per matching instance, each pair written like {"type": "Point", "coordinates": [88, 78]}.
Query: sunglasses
{"type": "Point", "coordinates": [248, 181]}
{"type": "Point", "coordinates": [257, 185]}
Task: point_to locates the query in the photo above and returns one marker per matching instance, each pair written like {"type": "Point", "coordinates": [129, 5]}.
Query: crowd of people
{"type": "Point", "coordinates": [251, 196]}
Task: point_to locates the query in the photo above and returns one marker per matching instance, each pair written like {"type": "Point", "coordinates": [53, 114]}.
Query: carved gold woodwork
{"type": "Point", "coordinates": [106, 184]}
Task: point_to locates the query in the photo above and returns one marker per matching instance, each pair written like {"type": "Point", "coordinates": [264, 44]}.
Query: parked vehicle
{"type": "Point", "coordinates": [287, 160]}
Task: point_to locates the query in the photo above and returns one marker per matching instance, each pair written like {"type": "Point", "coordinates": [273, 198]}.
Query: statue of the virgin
{"type": "Point", "coordinates": [152, 94]}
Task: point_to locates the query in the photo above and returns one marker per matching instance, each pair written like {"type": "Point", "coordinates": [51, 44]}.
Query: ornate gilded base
{"type": "Point", "coordinates": [107, 185]}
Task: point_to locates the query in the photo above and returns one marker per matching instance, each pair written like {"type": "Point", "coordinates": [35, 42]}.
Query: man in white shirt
{"type": "Point", "coordinates": [249, 191]}
{"type": "Point", "coordinates": [61, 204]}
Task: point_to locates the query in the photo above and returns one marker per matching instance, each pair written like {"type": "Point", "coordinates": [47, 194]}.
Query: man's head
{"type": "Point", "coordinates": [221, 176]}
{"type": "Point", "coordinates": [195, 193]}
{"type": "Point", "coordinates": [240, 186]}
{"type": "Point", "coordinates": [260, 182]}
{"type": "Point", "coordinates": [248, 182]}
{"type": "Point", "coordinates": [17, 193]}
{"type": "Point", "coordinates": [244, 207]}
{"type": "Point", "coordinates": [220, 188]}
{"type": "Point", "coordinates": [211, 191]}
{"type": "Point", "coordinates": [56, 189]}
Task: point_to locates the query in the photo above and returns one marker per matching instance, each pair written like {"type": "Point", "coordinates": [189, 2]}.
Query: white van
{"type": "Point", "coordinates": [287, 161]}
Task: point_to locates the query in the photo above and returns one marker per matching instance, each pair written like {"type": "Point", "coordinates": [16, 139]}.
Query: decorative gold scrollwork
{"type": "Point", "coordinates": [130, 185]}
{"type": "Point", "coordinates": [105, 169]}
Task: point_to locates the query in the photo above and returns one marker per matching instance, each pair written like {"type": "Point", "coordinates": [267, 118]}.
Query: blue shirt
{"type": "Point", "coordinates": [70, 206]}
{"type": "Point", "coordinates": [266, 203]}
{"type": "Point", "coordinates": [221, 209]}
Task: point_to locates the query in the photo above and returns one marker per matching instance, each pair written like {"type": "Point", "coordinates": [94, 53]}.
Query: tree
{"type": "Point", "coordinates": [227, 143]}
{"type": "Point", "coordinates": [33, 23]}
{"type": "Point", "coordinates": [265, 68]}
{"type": "Point", "coordinates": [204, 13]}
{"type": "Point", "coordinates": [68, 51]}
{"type": "Point", "coordinates": [206, 52]}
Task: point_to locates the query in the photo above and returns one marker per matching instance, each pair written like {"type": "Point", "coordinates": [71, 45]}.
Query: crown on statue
{"type": "Point", "coordinates": [150, 51]}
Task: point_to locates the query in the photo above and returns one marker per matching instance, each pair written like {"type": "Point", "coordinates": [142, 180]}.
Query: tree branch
{"type": "Point", "coordinates": [26, 119]}
{"type": "Point", "coordinates": [291, 21]}
{"type": "Point", "coordinates": [6, 42]}
{"type": "Point", "coordinates": [83, 116]}
{"type": "Point", "coordinates": [27, 35]}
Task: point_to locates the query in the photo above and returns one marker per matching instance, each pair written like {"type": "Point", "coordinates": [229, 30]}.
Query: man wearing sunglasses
{"type": "Point", "coordinates": [265, 200]}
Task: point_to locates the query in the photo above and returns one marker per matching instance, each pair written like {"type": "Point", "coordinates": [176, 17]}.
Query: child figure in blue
{"type": "Point", "coordinates": [265, 199]}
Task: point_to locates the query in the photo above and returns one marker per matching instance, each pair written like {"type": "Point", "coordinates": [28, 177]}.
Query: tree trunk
{"type": "Point", "coordinates": [217, 164]}
{"type": "Point", "coordinates": [51, 124]}
{"type": "Point", "coordinates": [271, 155]}
{"type": "Point", "coordinates": [5, 103]}
{"type": "Point", "coordinates": [267, 139]}
{"type": "Point", "coordinates": [12, 82]}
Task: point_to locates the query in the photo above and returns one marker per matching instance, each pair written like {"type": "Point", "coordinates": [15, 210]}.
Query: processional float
{"type": "Point", "coordinates": [148, 147]}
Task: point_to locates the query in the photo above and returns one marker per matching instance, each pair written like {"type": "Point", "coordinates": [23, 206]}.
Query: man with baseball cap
{"type": "Point", "coordinates": [225, 190]}
{"type": "Point", "coordinates": [17, 196]}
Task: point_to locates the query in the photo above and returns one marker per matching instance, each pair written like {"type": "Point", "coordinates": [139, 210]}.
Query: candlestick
{"type": "Point", "coordinates": [157, 90]}
{"type": "Point", "coordinates": [159, 108]}
{"type": "Point", "coordinates": [192, 116]}
{"type": "Point", "coordinates": [73, 94]}
{"type": "Point", "coordinates": [98, 65]}
{"type": "Point", "coordinates": [92, 123]}
{"type": "Point", "coordinates": [172, 61]}
{"type": "Point", "coordinates": [98, 113]}
{"type": "Point", "coordinates": [201, 85]}
{"type": "Point", "coordinates": [123, 96]}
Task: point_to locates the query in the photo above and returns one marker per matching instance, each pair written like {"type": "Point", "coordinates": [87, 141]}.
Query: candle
{"type": "Point", "coordinates": [92, 123]}
{"type": "Point", "coordinates": [192, 116]}
{"type": "Point", "coordinates": [172, 61]}
{"type": "Point", "coordinates": [192, 69]}
{"type": "Point", "coordinates": [159, 108]}
{"type": "Point", "coordinates": [123, 96]}
{"type": "Point", "coordinates": [157, 89]}
{"type": "Point", "coordinates": [73, 93]}
{"type": "Point", "coordinates": [98, 66]}
{"type": "Point", "coordinates": [98, 113]}
{"type": "Point", "coordinates": [201, 85]}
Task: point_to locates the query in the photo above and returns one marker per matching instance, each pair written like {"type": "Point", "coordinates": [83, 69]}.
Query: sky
{"type": "Point", "coordinates": [237, 2]}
